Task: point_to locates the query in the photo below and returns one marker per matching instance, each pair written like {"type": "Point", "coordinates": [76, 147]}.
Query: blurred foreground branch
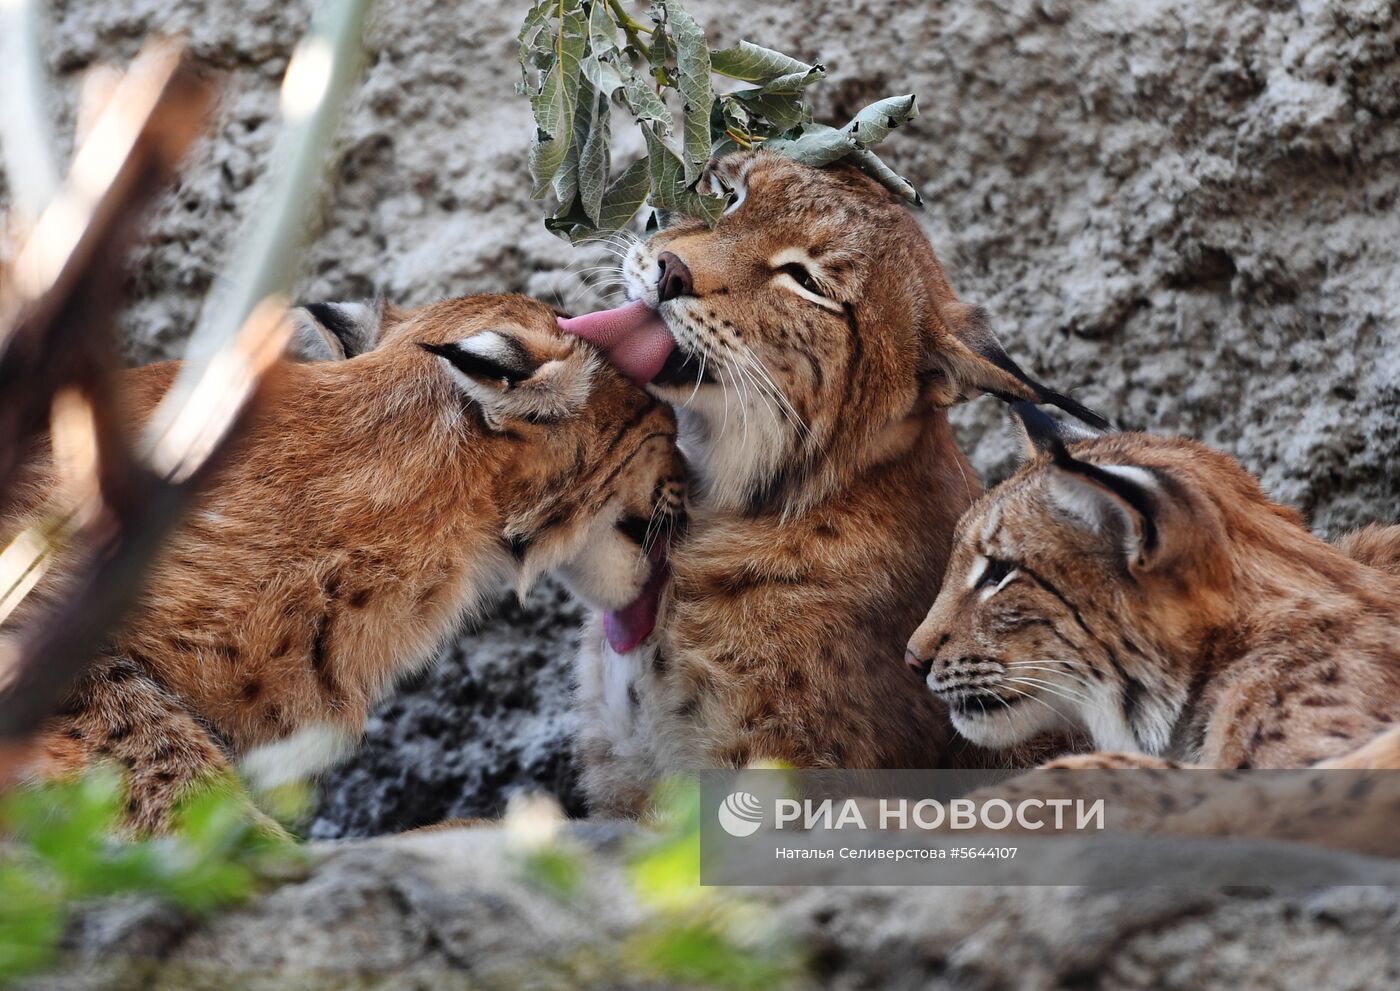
{"type": "Point", "coordinates": [26, 138]}
{"type": "Point", "coordinates": [58, 365]}
{"type": "Point", "coordinates": [57, 355]}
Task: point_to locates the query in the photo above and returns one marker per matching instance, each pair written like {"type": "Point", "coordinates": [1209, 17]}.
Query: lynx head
{"type": "Point", "coordinates": [1081, 592]}
{"type": "Point", "coordinates": [798, 333]}
{"type": "Point", "coordinates": [590, 481]}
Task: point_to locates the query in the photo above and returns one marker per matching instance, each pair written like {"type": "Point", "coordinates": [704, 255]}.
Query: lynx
{"type": "Point", "coordinates": [1145, 590]}
{"type": "Point", "coordinates": [375, 502]}
{"type": "Point", "coordinates": [811, 345]}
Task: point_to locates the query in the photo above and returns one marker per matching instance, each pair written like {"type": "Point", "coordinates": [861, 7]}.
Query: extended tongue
{"type": "Point", "coordinates": [627, 627]}
{"type": "Point", "coordinates": [634, 337]}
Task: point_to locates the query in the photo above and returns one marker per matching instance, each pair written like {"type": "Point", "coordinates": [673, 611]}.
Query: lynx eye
{"type": "Point", "coordinates": [995, 575]}
{"type": "Point", "coordinates": [799, 274]}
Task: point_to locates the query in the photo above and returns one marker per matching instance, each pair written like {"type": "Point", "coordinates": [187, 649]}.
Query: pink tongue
{"type": "Point", "coordinates": [634, 337]}
{"type": "Point", "coordinates": [630, 625]}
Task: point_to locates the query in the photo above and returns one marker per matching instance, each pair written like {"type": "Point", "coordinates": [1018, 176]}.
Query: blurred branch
{"type": "Point", "coordinates": [57, 354]}
{"type": "Point", "coordinates": [118, 547]}
{"type": "Point", "coordinates": [55, 317]}
{"type": "Point", "coordinates": [66, 279]}
{"type": "Point", "coordinates": [318, 79]}
{"type": "Point", "coordinates": [25, 136]}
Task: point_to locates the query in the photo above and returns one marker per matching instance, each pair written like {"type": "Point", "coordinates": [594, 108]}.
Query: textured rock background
{"type": "Point", "coordinates": [1187, 212]}
{"type": "Point", "coordinates": [448, 911]}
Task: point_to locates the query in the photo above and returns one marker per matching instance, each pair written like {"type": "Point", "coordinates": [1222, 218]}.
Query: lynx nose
{"type": "Point", "coordinates": [674, 279]}
{"type": "Point", "coordinates": [917, 664]}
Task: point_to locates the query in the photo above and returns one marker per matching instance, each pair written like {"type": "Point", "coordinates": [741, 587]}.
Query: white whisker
{"type": "Point", "coordinates": [1036, 698]}
{"type": "Point", "coordinates": [1059, 691]}
{"type": "Point", "coordinates": [775, 392]}
{"type": "Point", "coordinates": [1030, 666]}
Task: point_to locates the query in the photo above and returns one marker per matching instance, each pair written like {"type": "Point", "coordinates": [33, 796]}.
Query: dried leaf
{"type": "Point", "coordinates": [566, 179]}
{"type": "Point", "coordinates": [693, 81]}
{"type": "Point", "coordinates": [602, 33]}
{"type": "Point", "coordinates": [755, 64]}
{"type": "Point", "coordinates": [869, 163]}
{"type": "Point", "coordinates": [642, 100]}
{"type": "Point", "coordinates": [571, 222]}
{"type": "Point", "coordinates": [557, 100]}
{"type": "Point", "coordinates": [575, 52]}
{"type": "Point", "coordinates": [536, 20]}
{"type": "Point", "coordinates": [734, 116]}
{"type": "Point", "coordinates": [662, 50]}
{"type": "Point", "coordinates": [625, 196]}
{"type": "Point", "coordinates": [594, 158]}
{"type": "Point", "coordinates": [783, 111]}
{"type": "Point", "coordinates": [601, 64]}
{"type": "Point", "coordinates": [873, 124]}
{"type": "Point", "coordinates": [669, 189]}
{"type": "Point", "coordinates": [817, 145]}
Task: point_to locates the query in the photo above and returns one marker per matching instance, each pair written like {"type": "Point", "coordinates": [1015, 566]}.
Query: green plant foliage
{"type": "Point", "coordinates": [579, 59]}
{"type": "Point", "coordinates": [60, 846]}
{"type": "Point", "coordinates": [555, 869]}
{"type": "Point", "coordinates": [690, 936]}
{"type": "Point", "coordinates": [698, 938]}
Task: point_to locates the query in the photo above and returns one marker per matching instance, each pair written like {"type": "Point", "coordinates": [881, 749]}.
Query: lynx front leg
{"type": "Point", "coordinates": [120, 713]}
{"type": "Point", "coordinates": [1109, 761]}
{"type": "Point", "coordinates": [1141, 799]}
{"type": "Point", "coordinates": [1348, 804]}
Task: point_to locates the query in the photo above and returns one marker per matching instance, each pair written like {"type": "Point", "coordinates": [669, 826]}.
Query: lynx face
{"type": "Point", "coordinates": [1079, 591]}
{"type": "Point", "coordinates": [599, 486]}
{"type": "Point", "coordinates": [807, 322]}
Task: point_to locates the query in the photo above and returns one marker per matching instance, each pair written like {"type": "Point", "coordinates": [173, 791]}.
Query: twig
{"type": "Point", "coordinates": [25, 135]}
{"type": "Point", "coordinates": [237, 342]}
{"type": "Point", "coordinates": [630, 25]}
{"type": "Point", "coordinates": [318, 79]}
{"type": "Point", "coordinates": [117, 550]}
{"type": "Point", "coordinates": [59, 342]}
{"type": "Point", "coordinates": [66, 277]}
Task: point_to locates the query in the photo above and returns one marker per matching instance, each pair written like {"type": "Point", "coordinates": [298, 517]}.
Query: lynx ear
{"type": "Point", "coordinates": [335, 331]}
{"type": "Point", "coordinates": [509, 375]}
{"type": "Point", "coordinates": [1121, 503]}
{"type": "Point", "coordinates": [967, 359]}
{"type": "Point", "coordinates": [1041, 433]}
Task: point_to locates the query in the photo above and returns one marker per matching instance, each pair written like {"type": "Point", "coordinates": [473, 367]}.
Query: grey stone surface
{"type": "Point", "coordinates": [492, 715]}
{"type": "Point", "coordinates": [451, 910]}
{"type": "Point", "coordinates": [1186, 212]}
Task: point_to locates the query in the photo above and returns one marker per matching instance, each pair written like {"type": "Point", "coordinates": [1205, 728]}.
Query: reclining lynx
{"type": "Point", "coordinates": [374, 503]}
{"type": "Point", "coordinates": [1145, 589]}
{"type": "Point", "coordinates": [811, 345]}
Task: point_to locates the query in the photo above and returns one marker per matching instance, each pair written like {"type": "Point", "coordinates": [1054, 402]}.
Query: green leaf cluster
{"type": "Point", "coordinates": [689, 935]}
{"type": "Point", "coordinates": [59, 845]}
{"type": "Point", "coordinates": [581, 60]}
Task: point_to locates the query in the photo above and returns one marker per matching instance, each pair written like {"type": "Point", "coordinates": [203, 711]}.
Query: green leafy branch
{"type": "Point", "coordinates": [580, 59]}
{"type": "Point", "coordinates": [57, 849]}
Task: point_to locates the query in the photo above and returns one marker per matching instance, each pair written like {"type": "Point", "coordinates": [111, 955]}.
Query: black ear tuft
{"type": "Point", "coordinates": [499, 366]}
{"type": "Point", "coordinates": [1040, 431]}
{"type": "Point", "coordinates": [1043, 394]}
{"type": "Point", "coordinates": [1043, 432]}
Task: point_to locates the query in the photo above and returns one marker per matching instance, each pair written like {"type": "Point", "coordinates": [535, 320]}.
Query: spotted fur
{"type": "Point", "coordinates": [819, 346]}
{"type": "Point", "coordinates": [375, 502]}
{"type": "Point", "coordinates": [1145, 590]}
